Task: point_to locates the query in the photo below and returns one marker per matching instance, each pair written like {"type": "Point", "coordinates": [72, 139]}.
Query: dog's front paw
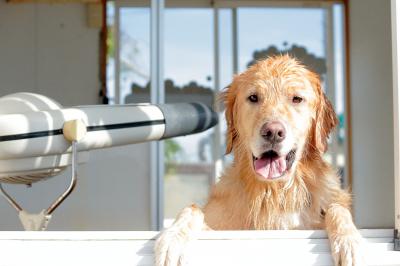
{"type": "Point", "coordinates": [170, 245]}
{"type": "Point", "coordinates": [169, 249]}
{"type": "Point", "coordinates": [347, 250]}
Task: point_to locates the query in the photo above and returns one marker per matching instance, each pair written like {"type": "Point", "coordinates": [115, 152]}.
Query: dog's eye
{"type": "Point", "coordinates": [297, 99]}
{"type": "Point", "coordinates": [253, 98]}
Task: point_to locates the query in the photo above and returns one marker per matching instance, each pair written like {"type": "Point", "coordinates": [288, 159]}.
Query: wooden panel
{"type": "Point", "coordinates": [212, 248]}
{"type": "Point", "coordinates": [95, 15]}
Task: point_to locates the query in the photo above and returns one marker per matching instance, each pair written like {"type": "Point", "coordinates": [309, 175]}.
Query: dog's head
{"type": "Point", "coordinates": [277, 114]}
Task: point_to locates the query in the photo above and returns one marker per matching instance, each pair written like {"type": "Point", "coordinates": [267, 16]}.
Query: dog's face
{"type": "Point", "coordinates": [277, 114]}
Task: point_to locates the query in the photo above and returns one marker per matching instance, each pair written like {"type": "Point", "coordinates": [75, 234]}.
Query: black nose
{"type": "Point", "coordinates": [273, 132]}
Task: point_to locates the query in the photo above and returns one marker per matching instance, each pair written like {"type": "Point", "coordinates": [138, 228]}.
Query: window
{"type": "Point", "coordinates": [203, 47]}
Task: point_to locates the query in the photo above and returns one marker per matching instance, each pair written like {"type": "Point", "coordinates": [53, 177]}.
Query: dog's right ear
{"type": "Point", "coordinates": [228, 98]}
{"type": "Point", "coordinates": [326, 119]}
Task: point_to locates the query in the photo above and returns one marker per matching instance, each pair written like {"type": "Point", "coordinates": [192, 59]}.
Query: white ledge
{"type": "Point", "coordinates": [294, 247]}
{"type": "Point", "coordinates": [151, 235]}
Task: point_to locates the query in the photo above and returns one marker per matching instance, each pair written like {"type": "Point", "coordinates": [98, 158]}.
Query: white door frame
{"type": "Point", "coordinates": [395, 9]}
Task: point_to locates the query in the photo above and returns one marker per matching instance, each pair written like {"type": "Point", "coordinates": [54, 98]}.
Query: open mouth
{"type": "Point", "coordinates": [271, 165]}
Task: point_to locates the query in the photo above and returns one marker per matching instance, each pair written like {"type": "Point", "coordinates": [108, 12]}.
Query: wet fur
{"type": "Point", "coordinates": [311, 199]}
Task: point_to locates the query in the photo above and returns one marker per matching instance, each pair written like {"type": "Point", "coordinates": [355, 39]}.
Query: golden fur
{"type": "Point", "coordinates": [308, 197]}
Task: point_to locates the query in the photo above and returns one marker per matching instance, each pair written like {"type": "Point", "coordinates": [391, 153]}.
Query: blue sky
{"type": "Point", "coordinates": [189, 36]}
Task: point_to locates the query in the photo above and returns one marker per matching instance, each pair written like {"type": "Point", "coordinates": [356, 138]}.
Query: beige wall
{"type": "Point", "coordinates": [49, 49]}
{"type": "Point", "coordinates": [372, 115]}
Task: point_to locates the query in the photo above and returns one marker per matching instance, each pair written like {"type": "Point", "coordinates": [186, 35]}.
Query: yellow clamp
{"type": "Point", "coordinates": [74, 130]}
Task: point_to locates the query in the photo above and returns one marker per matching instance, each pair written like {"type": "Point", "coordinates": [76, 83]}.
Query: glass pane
{"type": "Point", "coordinates": [306, 39]}
{"type": "Point", "coordinates": [189, 78]}
{"type": "Point", "coordinates": [110, 53]}
{"type": "Point", "coordinates": [225, 47]}
{"type": "Point", "coordinates": [134, 55]}
{"type": "Point", "coordinates": [340, 100]}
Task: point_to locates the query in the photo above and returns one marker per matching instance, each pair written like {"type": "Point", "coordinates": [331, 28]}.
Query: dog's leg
{"type": "Point", "coordinates": [344, 237]}
{"type": "Point", "coordinates": [170, 244]}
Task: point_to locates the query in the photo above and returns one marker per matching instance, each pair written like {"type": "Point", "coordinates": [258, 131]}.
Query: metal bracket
{"type": "Point", "coordinates": [74, 178]}
{"type": "Point", "coordinates": [10, 199]}
{"type": "Point", "coordinates": [73, 131]}
{"type": "Point", "coordinates": [39, 221]}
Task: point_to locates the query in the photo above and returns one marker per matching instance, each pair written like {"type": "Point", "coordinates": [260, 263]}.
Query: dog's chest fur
{"type": "Point", "coordinates": [281, 210]}
{"type": "Point", "coordinates": [289, 221]}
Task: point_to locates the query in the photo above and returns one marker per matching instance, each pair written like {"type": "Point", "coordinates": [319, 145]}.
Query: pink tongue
{"type": "Point", "coordinates": [270, 168]}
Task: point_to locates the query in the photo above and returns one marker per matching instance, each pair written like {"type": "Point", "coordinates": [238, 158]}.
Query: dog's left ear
{"type": "Point", "coordinates": [325, 120]}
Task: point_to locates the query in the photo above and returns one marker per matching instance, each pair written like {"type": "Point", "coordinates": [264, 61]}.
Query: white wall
{"type": "Point", "coordinates": [372, 115]}
{"type": "Point", "coordinates": [48, 49]}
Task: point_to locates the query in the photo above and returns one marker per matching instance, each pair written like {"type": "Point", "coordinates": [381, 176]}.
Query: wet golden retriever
{"type": "Point", "coordinates": [279, 121]}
